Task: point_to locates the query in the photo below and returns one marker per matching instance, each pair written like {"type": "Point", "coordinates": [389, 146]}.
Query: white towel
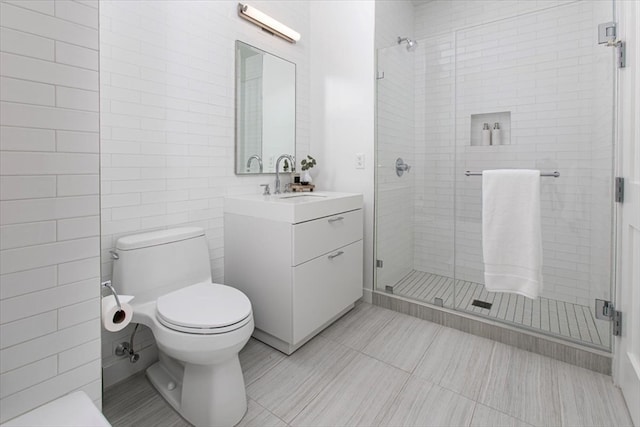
{"type": "Point", "coordinates": [511, 231]}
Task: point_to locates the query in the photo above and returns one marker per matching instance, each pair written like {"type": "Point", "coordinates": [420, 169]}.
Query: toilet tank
{"type": "Point", "coordinates": [151, 264]}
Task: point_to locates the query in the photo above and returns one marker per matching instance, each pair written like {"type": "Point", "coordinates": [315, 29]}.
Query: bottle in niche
{"type": "Point", "coordinates": [496, 134]}
{"type": "Point", "coordinates": [486, 134]}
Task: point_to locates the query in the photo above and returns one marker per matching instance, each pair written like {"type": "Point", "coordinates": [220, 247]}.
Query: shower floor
{"type": "Point", "coordinates": [573, 321]}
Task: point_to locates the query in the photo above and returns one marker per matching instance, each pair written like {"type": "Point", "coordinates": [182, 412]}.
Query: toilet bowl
{"type": "Point", "coordinates": [199, 326]}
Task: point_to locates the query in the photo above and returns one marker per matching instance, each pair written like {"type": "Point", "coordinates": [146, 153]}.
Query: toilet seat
{"type": "Point", "coordinates": [204, 308]}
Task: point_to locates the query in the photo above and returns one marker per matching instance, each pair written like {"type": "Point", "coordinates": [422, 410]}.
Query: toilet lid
{"type": "Point", "coordinates": [204, 306]}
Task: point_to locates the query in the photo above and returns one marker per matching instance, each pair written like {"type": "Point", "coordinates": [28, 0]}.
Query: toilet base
{"type": "Point", "coordinates": [160, 379]}
{"type": "Point", "coordinates": [205, 395]}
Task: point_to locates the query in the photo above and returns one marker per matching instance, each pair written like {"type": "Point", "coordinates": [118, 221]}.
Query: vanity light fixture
{"type": "Point", "coordinates": [267, 23]}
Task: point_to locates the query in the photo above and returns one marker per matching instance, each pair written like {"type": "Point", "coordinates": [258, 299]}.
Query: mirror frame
{"type": "Point", "coordinates": [238, 169]}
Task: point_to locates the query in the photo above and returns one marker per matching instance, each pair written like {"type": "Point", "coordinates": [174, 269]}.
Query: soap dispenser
{"type": "Point", "coordinates": [496, 134]}
{"type": "Point", "coordinates": [486, 134]}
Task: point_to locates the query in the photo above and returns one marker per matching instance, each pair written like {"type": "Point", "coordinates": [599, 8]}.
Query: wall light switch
{"type": "Point", "coordinates": [359, 160]}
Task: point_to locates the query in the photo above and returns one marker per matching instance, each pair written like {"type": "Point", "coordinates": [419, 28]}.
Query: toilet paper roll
{"type": "Point", "coordinates": [113, 318]}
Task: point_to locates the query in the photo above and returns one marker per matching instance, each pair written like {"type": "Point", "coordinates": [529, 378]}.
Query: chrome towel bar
{"type": "Point", "coordinates": [554, 174]}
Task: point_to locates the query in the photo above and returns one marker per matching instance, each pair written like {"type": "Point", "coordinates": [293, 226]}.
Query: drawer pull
{"type": "Point", "coordinates": [337, 254]}
{"type": "Point", "coordinates": [338, 218]}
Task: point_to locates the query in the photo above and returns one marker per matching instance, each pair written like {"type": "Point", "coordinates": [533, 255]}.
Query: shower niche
{"type": "Point", "coordinates": [503, 137]}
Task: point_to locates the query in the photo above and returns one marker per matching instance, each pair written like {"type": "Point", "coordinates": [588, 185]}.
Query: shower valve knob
{"type": "Point", "coordinates": [401, 167]}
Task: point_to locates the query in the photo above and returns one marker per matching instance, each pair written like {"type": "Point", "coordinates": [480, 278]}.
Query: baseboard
{"type": "Point", "coordinates": [585, 357]}
{"type": "Point", "coordinates": [367, 296]}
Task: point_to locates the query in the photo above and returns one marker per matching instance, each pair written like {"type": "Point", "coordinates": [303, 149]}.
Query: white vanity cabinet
{"type": "Point", "coordinates": [300, 274]}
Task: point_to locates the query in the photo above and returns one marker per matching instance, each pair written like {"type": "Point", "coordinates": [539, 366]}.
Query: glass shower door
{"type": "Point", "coordinates": [550, 87]}
{"type": "Point", "coordinates": [414, 210]}
{"type": "Point", "coordinates": [394, 194]}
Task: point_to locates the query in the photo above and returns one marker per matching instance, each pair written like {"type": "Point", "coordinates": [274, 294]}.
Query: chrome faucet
{"type": "Point", "coordinates": [293, 168]}
{"type": "Point", "coordinates": [256, 157]}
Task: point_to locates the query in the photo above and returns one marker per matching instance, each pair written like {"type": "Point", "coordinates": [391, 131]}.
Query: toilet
{"type": "Point", "coordinates": [199, 326]}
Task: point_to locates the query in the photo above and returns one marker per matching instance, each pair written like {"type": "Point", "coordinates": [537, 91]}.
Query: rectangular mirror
{"type": "Point", "coordinates": [265, 110]}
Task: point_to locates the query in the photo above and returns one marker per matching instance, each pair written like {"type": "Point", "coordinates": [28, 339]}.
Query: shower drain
{"type": "Point", "coordinates": [482, 304]}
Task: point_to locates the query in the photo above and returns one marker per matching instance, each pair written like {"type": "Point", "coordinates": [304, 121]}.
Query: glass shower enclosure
{"type": "Point", "coordinates": [549, 86]}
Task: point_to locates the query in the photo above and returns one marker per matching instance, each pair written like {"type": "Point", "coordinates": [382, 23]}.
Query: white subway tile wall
{"type": "Point", "coordinates": [435, 154]}
{"type": "Point", "coordinates": [539, 60]}
{"type": "Point", "coordinates": [549, 71]}
{"type": "Point", "coordinates": [49, 203]}
{"type": "Point", "coordinates": [167, 123]}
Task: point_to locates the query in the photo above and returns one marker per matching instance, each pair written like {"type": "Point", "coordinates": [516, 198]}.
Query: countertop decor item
{"type": "Point", "coordinates": [300, 187]}
{"type": "Point", "coordinates": [305, 165]}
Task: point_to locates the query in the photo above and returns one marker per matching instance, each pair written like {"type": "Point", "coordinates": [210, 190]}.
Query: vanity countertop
{"type": "Point", "coordinates": [293, 207]}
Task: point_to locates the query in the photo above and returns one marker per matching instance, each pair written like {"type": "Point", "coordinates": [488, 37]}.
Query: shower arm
{"type": "Point", "coordinates": [410, 43]}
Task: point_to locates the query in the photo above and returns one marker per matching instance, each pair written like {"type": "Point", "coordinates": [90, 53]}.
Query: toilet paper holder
{"type": "Point", "coordinates": [108, 284]}
{"type": "Point", "coordinates": [116, 313]}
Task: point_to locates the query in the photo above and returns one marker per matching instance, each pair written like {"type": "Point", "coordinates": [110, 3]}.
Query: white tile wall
{"type": "Point", "coordinates": [49, 228]}
{"type": "Point", "coordinates": [539, 60]}
{"type": "Point", "coordinates": [167, 117]}
{"type": "Point", "coordinates": [561, 111]}
{"type": "Point", "coordinates": [435, 154]}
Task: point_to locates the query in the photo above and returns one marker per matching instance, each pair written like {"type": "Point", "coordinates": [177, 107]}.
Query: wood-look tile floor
{"type": "Point", "coordinates": [564, 319]}
{"type": "Point", "coordinates": [376, 367]}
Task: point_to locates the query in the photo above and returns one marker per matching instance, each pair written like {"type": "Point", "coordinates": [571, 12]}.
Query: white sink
{"type": "Point", "coordinates": [292, 207]}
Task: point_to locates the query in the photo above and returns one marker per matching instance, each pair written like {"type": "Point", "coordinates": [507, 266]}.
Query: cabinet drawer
{"type": "Point", "coordinates": [324, 287]}
{"type": "Point", "coordinates": [317, 237]}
